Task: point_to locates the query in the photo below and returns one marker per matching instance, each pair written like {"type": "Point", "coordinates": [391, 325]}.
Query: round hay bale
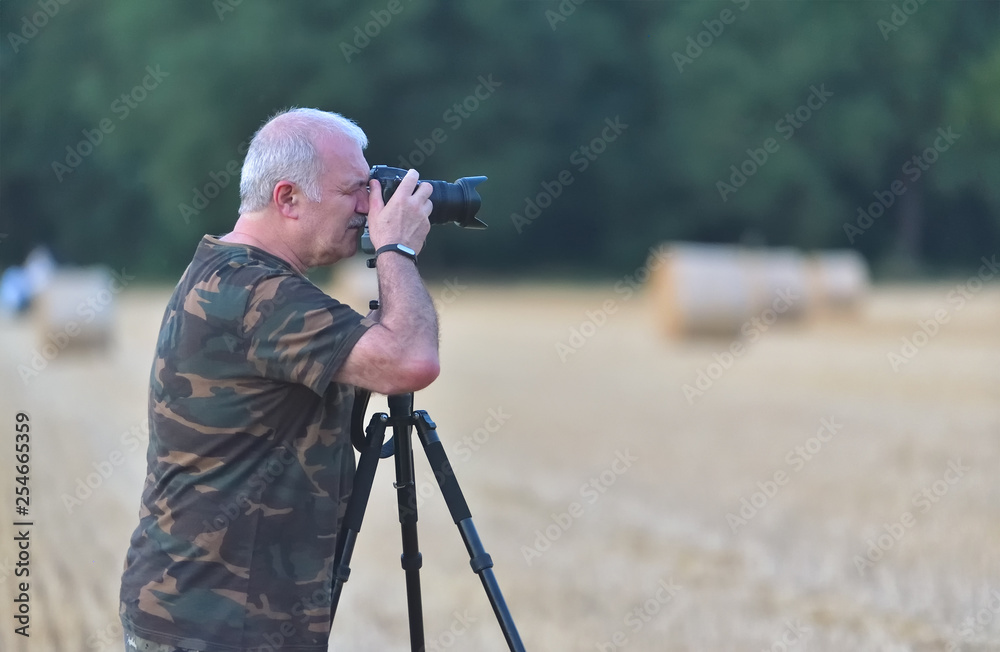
{"type": "Point", "coordinates": [702, 290]}
{"type": "Point", "coordinates": [839, 280]}
{"type": "Point", "coordinates": [779, 281]}
{"type": "Point", "coordinates": [76, 309]}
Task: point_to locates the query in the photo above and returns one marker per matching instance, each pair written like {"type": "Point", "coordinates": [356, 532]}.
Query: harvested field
{"type": "Point", "coordinates": [776, 507]}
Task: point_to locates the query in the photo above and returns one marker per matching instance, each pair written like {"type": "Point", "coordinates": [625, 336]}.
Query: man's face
{"type": "Point", "coordinates": [332, 225]}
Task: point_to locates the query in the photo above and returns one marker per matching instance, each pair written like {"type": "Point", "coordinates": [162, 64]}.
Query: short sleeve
{"type": "Point", "coordinates": [294, 332]}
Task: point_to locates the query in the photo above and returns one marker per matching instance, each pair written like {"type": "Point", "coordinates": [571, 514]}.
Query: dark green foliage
{"type": "Point", "coordinates": [563, 78]}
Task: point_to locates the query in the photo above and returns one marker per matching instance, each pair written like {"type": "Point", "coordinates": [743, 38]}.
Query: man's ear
{"type": "Point", "coordinates": [286, 197]}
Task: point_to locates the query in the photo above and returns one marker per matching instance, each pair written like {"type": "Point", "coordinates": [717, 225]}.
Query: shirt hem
{"type": "Point", "coordinates": [202, 645]}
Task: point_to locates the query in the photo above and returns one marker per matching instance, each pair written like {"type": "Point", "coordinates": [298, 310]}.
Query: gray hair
{"type": "Point", "coordinates": [284, 149]}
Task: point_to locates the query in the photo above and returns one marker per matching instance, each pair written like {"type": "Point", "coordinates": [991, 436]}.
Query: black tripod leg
{"type": "Point", "coordinates": [480, 561]}
{"type": "Point", "coordinates": [364, 477]}
{"type": "Point", "coordinates": [401, 418]}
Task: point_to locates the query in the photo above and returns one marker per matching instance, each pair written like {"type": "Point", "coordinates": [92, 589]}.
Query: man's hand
{"type": "Point", "coordinates": [404, 219]}
{"type": "Point", "coordinates": [399, 353]}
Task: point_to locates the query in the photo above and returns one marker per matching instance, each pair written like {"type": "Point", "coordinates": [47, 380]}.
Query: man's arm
{"type": "Point", "coordinates": [399, 353]}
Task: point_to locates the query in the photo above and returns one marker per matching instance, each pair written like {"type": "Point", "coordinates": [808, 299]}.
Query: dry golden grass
{"type": "Point", "coordinates": [660, 520]}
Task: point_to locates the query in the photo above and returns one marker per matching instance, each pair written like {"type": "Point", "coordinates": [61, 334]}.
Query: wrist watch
{"type": "Point", "coordinates": [399, 249]}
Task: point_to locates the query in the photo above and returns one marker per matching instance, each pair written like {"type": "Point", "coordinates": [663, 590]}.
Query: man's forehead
{"type": "Point", "coordinates": [345, 157]}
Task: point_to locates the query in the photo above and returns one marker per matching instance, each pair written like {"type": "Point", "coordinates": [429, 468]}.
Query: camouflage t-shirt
{"type": "Point", "coordinates": [250, 463]}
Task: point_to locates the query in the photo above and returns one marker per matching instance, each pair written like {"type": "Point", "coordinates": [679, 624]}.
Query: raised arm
{"type": "Point", "coordinates": [399, 354]}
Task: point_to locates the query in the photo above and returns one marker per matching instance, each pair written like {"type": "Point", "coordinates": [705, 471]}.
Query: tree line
{"type": "Point", "coordinates": [604, 127]}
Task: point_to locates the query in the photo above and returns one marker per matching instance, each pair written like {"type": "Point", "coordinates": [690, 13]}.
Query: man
{"type": "Point", "coordinates": [250, 463]}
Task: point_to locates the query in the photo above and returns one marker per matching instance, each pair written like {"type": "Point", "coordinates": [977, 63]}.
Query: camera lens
{"type": "Point", "coordinates": [456, 202]}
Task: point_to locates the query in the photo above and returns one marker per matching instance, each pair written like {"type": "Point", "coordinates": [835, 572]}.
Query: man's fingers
{"type": "Point", "coordinates": [408, 183]}
{"type": "Point", "coordinates": [424, 190]}
{"type": "Point", "coordinates": [375, 196]}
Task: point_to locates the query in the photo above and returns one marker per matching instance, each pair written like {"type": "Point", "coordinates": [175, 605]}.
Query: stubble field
{"type": "Point", "coordinates": [808, 496]}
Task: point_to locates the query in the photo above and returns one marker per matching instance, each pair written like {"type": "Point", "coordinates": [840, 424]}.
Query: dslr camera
{"type": "Point", "coordinates": [456, 203]}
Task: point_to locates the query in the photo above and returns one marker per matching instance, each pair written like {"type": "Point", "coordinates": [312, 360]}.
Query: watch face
{"type": "Point", "coordinates": [406, 249]}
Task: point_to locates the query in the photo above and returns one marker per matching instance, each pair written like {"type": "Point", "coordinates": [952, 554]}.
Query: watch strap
{"type": "Point", "coordinates": [399, 249]}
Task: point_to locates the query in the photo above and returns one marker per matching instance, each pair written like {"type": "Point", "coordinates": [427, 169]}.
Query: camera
{"type": "Point", "coordinates": [456, 202]}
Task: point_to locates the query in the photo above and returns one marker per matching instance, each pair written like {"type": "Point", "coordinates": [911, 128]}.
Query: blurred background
{"type": "Point", "coordinates": [723, 373]}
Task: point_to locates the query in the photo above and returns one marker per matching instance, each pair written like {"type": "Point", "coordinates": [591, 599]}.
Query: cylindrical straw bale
{"type": "Point", "coordinates": [839, 280]}
{"type": "Point", "coordinates": [76, 309]}
{"type": "Point", "coordinates": [702, 289]}
{"type": "Point", "coordinates": [778, 281]}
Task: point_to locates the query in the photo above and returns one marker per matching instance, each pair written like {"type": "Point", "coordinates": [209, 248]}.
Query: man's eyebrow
{"type": "Point", "coordinates": [357, 184]}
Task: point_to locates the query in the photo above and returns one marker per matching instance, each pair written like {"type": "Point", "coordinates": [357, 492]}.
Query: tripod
{"type": "Point", "coordinates": [402, 419]}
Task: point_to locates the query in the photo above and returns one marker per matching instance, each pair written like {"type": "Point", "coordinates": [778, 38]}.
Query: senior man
{"type": "Point", "coordinates": [249, 461]}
